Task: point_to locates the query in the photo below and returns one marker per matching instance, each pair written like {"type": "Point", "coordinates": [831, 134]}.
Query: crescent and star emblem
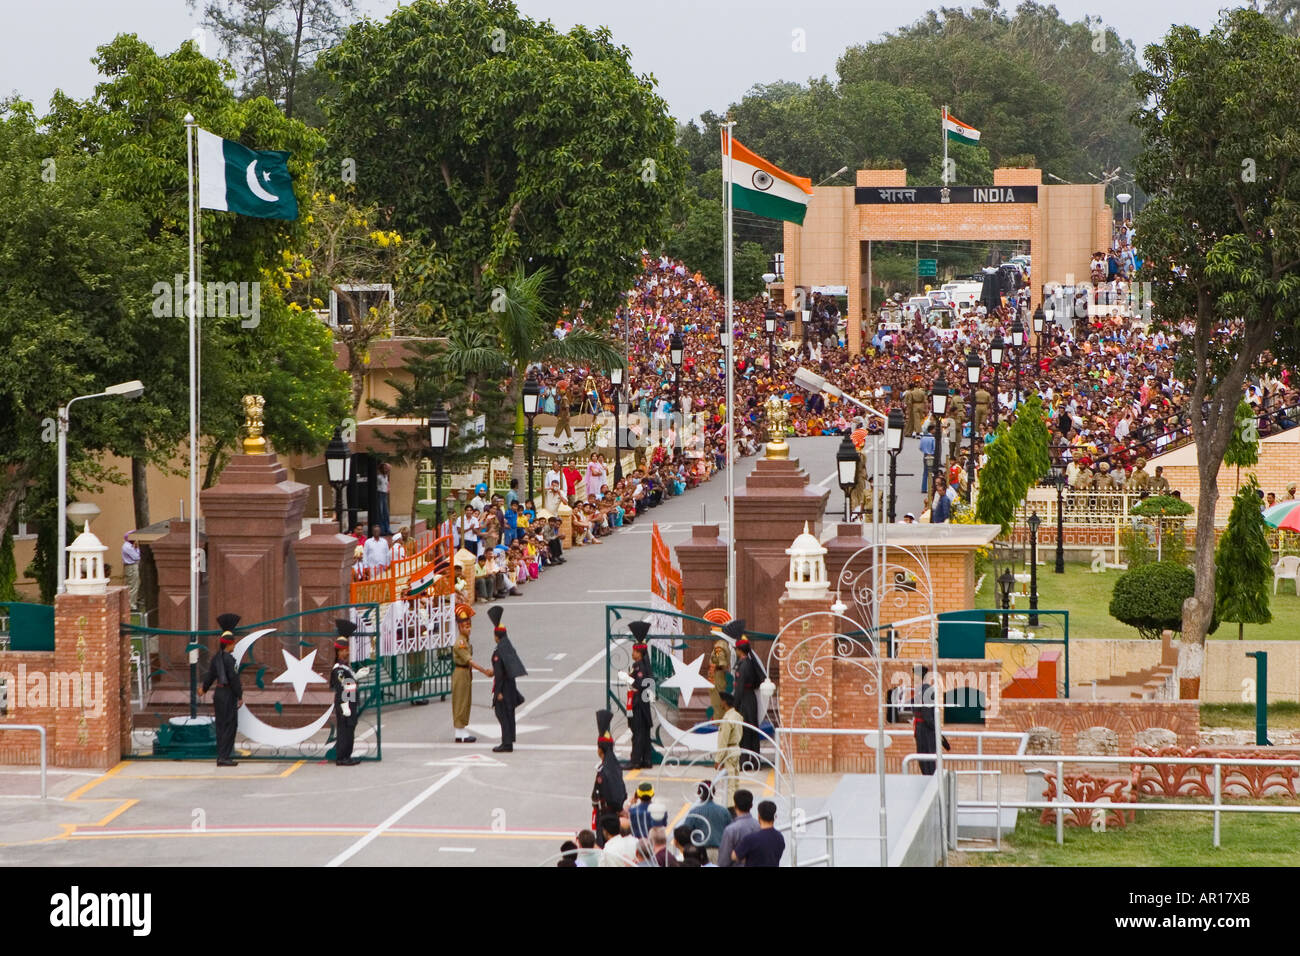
{"type": "Point", "coordinates": [255, 187]}
{"type": "Point", "coordinates": [299, 673]}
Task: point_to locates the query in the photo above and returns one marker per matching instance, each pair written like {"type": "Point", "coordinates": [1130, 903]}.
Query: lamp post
{"type": "Point", "coordinates": [675, 355]}
{"type": "Point", "coordinates": [338, 468]}
{"type": "Point", "coordinates": [722, 340]}
{"type": "Point", "coordinates": [1125, 199]}
{"type": "Point", "coordinates": [1058, 475]}
{"type": "Point", "coordinates": [997, 348]}
{"type": "Point", "coordinates": [939, 405]}
{"type": "Point", "coordinates": [1039, 318]}
{"type": "Point", "coordinates": [1018, 343]}
{"type": "Point", "coordinates": [894, 438]}
{"type": "Point", "coordinates": [769, 324]}
{"type": "Point", "coordinates": [132, 389]}
{"type": "Point", "coordinates": [1006, 580]}
{"type": "Point", "coordinates": [847, 464]}
{"type": "Point", "coordinates": [973, 368]}
{"type": "Point", "coordinates": [1034, 522]}
{"type": "Point", "coordinates": [532, 392]}
{"type": "Point", "coordinates": [616, 379]}
{"type": "Point", "coordinates": [439, 437]}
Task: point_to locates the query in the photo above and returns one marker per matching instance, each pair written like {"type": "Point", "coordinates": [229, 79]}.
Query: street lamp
{"type": "Point", "coordinates": [1125, 199]}
{"type": "Point", "coordinates": [973, 367]}
{"type": "Point", "coordinates": [1058, 476]}
{"type": "Point", "coordinates": [532, 392]}
{"type": "Point", "coordinates": [997, 348]}
{"type": "Point", "coordinates": [1018, 342]}
{"type": "Point", "coordinates": [847, 464]}
{"type": "Point", "coordinates": [939, 404]}
{"type": "Point", "coordinates": [1034, 522]}
{"type": "Point", "coordinates": [132, 389]}
{"type": "Point", "coordinates": [675, 355]}
{"type": "Point", "coordinates": [1006, 580]}
{"type": "Point", "coordinates": [338, 468]}
{"type": "Point", "coordinates": [439, 437]}
{"type": "Point", "coordinates": [616, 379]}
{"type": "Point", "coordinates": [894, 439]}
{"type": "Point", "coordinates": [1039, 318]}
{"type": "Point", "coordinates": [722, 338]}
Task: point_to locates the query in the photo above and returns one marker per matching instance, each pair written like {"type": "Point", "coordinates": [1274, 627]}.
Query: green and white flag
{"type": "Point", "coordinates": [246, 181]}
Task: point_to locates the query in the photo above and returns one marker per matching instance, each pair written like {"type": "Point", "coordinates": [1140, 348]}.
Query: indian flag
{"type": "Point", "coordinates": [958, 131]}
{"type": "Point", "coordinates": [766, 190]}
{"type": "Point", "coordinates": [419, 582]}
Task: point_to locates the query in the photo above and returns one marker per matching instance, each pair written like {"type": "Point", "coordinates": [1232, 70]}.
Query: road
{"type": "Point", "coordinates": [430, 801]}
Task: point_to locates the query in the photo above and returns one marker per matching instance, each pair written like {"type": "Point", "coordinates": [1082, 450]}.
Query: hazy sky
{"type": "Point", "coordinates": [704, 53]}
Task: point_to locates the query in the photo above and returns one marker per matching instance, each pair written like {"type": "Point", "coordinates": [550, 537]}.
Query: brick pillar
{"type": "Point", "coordinates": [171, 555]}
{"type": "Point", "coordinates": [89, 687]}
{"type": "Point", "coordinates": [325, 560]}
{"type": "Point", "coordinates": [703, 560]}
{"type": "Point", "coordinates": [252, 517]}
{"type": "Point", "coordinates": [801, 690]}
{"type": "Point", "coordinates": [565, 514]}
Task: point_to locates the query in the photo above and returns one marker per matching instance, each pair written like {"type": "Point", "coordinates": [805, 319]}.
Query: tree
{"type": "Point", "coordinates": [274, 43]}
{"type": "Point", "coordinates": [698, 243]}
{"type": "Point", "coordinates": [1030, 438]}
{"type": "Point", "coordinates": [1243, 563]}
{"type": "Point", "coordinates": [1220, 235]}
{"type": "Point", "coordinates": [1243, 443]}
{"type": "Point", "coordinates": [1000, 489]}
{"type": "Point", "coordinates": [507, 143]}
{"type": "Point", "coordinates": [1151, 597]}
{"type": "Point", "coordinates": [519, 335]}
{"type": "Point", "coordinates": [134, 126]}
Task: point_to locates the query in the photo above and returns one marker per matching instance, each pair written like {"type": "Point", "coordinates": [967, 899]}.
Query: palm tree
{"type": "Point", "coordinates": [521, 336]}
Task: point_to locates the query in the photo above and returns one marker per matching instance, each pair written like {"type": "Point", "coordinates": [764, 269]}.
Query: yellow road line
{"type": "Point", "coordinates": [771, 783]}
{"type": "Point", "coordinates": [293, 768]}
{"type": "Point", "coordinates": [680, 813]}
{"type": "Point", "coordinates": [632, 774]}
{"type": "Point", "coordinates": [87, 787]}
{"type": "Point", "coordinates": [126, 805]}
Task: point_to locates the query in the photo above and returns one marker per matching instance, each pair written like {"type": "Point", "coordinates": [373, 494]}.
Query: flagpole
{"type": "Point", "coordinates": [729, 125]}
{"type": "Point", "coordinates": [190, 308]}
{"type": "Point", "coordinates": [943, 135]}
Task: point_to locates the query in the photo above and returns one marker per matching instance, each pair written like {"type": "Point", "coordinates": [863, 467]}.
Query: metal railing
{"type": "Point", "coordinates": [40, 730]}
{"type": "Point", "coordinates": [828, 857]}
{"type": "Point", "coordinates": [1062, 801]}
{"type": "Point", "coordinates": [979, 809]}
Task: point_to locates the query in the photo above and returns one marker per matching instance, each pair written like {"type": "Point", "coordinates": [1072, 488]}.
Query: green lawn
{"type": "Point", "coordinates": [1157, 838]}
{"type": "Point", "coordinates": [1087, 597]}
{"type": "Point", "coordinates": [1283, 715]}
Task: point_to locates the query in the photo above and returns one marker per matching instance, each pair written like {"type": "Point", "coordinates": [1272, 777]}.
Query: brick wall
{"type": "Point", "coordinates": [1127, 718]}
{"type": "Point", "coordinates": [80, 693]}
{"type": "Point", "coordinates": [1279, 465]}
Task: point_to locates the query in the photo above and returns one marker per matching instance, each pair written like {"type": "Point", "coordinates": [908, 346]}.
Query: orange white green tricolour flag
{"type": "Point", "coordinates": [958, 131]}
{"type": "Point", "coordinates": [763, 188]}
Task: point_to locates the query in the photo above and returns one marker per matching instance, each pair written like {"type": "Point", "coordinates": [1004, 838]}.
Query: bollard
{"type": "Point", "coordinates": [1261, 698]}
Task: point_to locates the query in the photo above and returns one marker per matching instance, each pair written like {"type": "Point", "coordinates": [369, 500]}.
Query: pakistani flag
{"type": "Point", "coordinates": [958, 131]}
{"type": "Point", "coordinates": [246, 181]}
{"type": "Point", "coordinates": [762, 188]}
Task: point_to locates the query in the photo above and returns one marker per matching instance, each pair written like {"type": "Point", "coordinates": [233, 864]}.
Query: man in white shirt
{"type": "Point", "coordinates": [554, 474]}
{"type": "Point", "coordinates": [376, 553]}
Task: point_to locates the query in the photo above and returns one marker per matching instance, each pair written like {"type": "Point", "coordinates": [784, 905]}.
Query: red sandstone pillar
{"type": "Point", "coordinates": [252, 517]}
{"type": "Point", "coordinates": [325, 560]}
{"type": "Point", "coordinates": [703, 560]}
{"type": "Point", "coordinates": [171, 555]}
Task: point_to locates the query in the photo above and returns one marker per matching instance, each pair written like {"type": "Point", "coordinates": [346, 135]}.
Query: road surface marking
{"type": "Point", "coordinates": [457, 849]}
{"type": "Point", "coordinates": [410, 805]}
{"type": "Point", "coordinates": [591, 662]}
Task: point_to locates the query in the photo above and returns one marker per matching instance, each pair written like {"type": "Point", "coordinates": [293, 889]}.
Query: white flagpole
{"type": "Point", "coordinates": [190, 309]}
{"type": "Point", "coordinates": [943, 134]}
{"type": "Point", "coordinates": [729, 125]}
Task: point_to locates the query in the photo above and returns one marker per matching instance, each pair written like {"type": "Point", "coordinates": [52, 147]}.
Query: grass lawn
{"type": "Point", "coordinates": [1087, 597]}
{"type": "Point", "coordinates": [1157, 838]}
{"type": "Point", "coordinates": [1283, 715]}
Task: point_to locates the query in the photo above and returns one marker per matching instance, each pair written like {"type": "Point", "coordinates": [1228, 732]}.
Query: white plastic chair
{"type": "Point", "coordinates": [1287, 567]}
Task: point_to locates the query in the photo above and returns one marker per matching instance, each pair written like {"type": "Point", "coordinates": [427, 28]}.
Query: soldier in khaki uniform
{"type": "Point", "coordinates": [957, 407]}
{"type": "Point", "coordinates": [983, 402]}
{"type": "Point", "coordinates": [916, 403]}
{"type": "Point", "coordinates": [1159, 484]}
{"type": "Point", "coordinates": [719, 668]}
{"type": "Point", "coordinates": [462, 656]}
{"type": "Point", "coordinates": [727, 757]}
{"type": "Point", "coordinates": [1139, 481]}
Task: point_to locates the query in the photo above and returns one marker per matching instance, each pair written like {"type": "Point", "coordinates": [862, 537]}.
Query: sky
{"type": "Point", "coordinates": [704, 53]}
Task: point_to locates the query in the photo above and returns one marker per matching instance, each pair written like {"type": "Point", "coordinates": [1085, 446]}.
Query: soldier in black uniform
{"type": "Point", "coordinates": [347, 706]}
{"type": "Point", "coordinates": [609, 792]}
{"type": "Point", "coordinates": [923, 728]}
{"type": "Point", "coordinates": [749, 676]}
{"type": "Point", "coordinates": [224, 672]}
{"type": "Point", "coordinates": [641, 692]}
{"type": "Point", "coordinates": [506, 669]}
